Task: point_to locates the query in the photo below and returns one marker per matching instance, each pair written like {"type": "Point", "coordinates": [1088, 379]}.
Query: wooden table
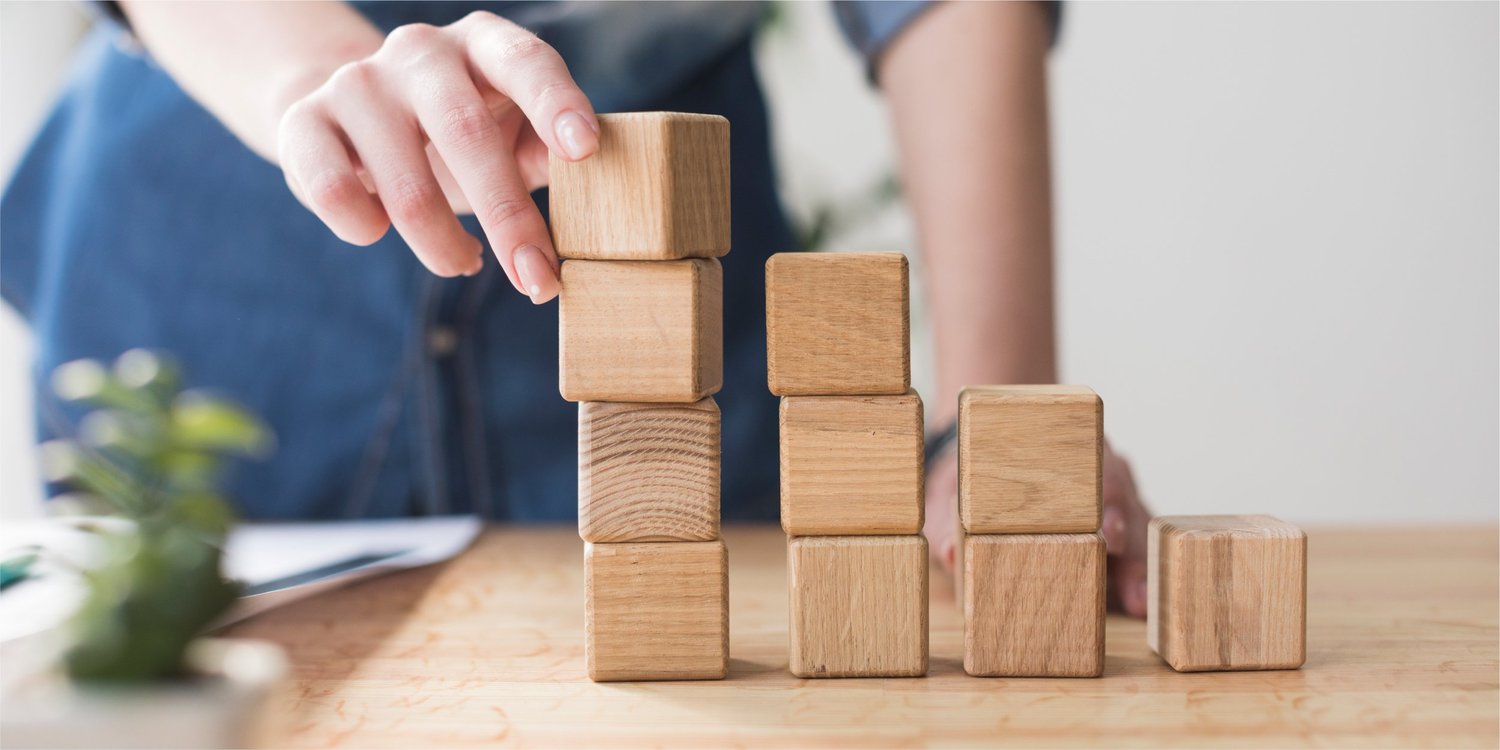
{"type": "Point", "coordinates": [488, 650]}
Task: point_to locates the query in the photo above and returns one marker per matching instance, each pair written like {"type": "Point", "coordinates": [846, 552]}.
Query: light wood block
{"type": "Point", "coordinates": [1226, 592]}
{"type": "Point", "coordinates": [858, 606]}
{"type": "Point", "coordinates": [657, 189]}
{"type": "Point", "coordinates": [851, 465]}
{"type": "Point", "coordinates": [656, 611]}
{"type": "Point", "coordinates": [837, 324]}
{"type": "Point", "coordinates": [1034, 605]}
{"type": "Point", "coordinates": [648, 472]}
{"type": "Point", "coordinates": [1029, 459]}
{"type": "Point", "coordinates": [641, 331]}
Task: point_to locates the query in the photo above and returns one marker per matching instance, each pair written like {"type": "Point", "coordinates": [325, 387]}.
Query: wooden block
{"type": "Point", "coordinates": [858, 606]}
{"type": "Point", "coordinates": [641, 331]}
{"type": "Point", "coordinates": [1226, 592]}
{"type": "Point", "coordinates": [1029, 459]}
{"type": "Point", "coordinates": [657, 189]}
{"type": "Point", "coordinates": [648, 472]}
{"type": "Point", "coordinates": [851, 464]}
{"type": "Point", "coordinates": [656, 611]}
{"type": "Point", "coordinates": [1034, 605]}
{"type": "Point", "coordinates": [837, 324]}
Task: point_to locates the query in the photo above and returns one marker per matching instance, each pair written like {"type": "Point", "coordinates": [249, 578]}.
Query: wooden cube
{"type": "Point", "coordinates": [837, 324]}
{"type": "Point", "coordinates": [1034, 605]}
{"type": "Point", "coordinates": [648, 472]}
{"type": "Point", "coordinates": [657, 189]}
{"type": "Point", "coordinates": [851, 464]}
{"type": "Point", "coordinates": [641, 331]}
{"type": "Point", "coordinates": [1226, 592]}
{"type": "Point", "coordinates": [858, 606]}
{"type": "Point", "coordinates": [656, 611]}
{"type": "Point", "coordinates": [1029, 459]}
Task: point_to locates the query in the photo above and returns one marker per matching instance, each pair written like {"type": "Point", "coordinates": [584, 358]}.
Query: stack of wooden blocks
{"type": "Point", "coordinates": [641, 225]}
{"type": "Point", "coordinates": [1032, 564]}
{"type": "Point", "coordinates": [838, 353]}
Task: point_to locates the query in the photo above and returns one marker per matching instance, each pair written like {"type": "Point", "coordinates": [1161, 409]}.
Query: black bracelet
{"type": "Point", "coordinates": [937, 441]}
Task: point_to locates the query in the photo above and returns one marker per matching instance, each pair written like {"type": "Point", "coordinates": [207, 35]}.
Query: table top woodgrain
{"type": "Point", "coordinates": [488, 650]}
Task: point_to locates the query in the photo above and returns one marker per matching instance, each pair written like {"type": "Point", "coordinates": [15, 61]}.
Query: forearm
{"type": "Point", "coordinates": [246, 62]}
{"type": "Point", "coordinates": [968, 94]}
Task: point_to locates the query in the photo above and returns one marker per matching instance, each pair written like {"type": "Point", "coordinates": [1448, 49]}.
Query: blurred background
{"type": "Point", "coordinates": [1278, 239]}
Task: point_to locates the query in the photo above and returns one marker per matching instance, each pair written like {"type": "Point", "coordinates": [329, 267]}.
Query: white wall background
{"type": "Point", "coordinates": [1278, 239]}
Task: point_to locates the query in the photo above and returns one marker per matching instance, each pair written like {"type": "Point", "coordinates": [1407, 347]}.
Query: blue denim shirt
{"type": "Point", "coordinates": [136, 219]}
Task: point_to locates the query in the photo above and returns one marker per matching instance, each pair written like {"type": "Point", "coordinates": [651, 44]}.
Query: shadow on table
{"type": "Point", "coordinates": [328, 636]}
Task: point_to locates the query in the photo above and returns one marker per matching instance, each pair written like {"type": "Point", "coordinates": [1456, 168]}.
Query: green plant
{"type": "Point", "coordinates": [152, 455]}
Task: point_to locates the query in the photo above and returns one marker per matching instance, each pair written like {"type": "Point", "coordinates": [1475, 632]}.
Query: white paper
{"type": "Point", "coordinates": [255, 554]}
{"type": "Point", "coordinates": [260, 553]}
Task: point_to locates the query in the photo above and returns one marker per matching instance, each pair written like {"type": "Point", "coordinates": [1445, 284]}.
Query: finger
{"type": "Point", "coordinates": [321, 174]}
{"type": "Point", "coordinates": [451, 191]}
{"type": "Point", "coordinates": [531, 159]}
{"type": "Point", "coordinates": [477, 151]}
{"type": "Point", "coordinates": [1128, 585]}
{"type": "Point", "coordinates": [1124, 519]}
{"type": "Point", "coordinates": [391, 147]}
{"type": "Point", "coordinates": [940, 528]}
{"type": "Point", "coordinates": [526, 69]}
{"type": "Point", "coordinates": [1114, 528]}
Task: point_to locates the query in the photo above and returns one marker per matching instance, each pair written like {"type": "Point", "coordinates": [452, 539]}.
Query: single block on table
{"type": "Point", "coordinates": [657, 189]}
{"type": "Point", "coordinates": [648, 472]}
{"type": "Point", "coordinates": [858, 606]}
{"type": "Point", "coordinates": [656, 611]}
{"type": "Point", "coordinates": [1034, 605]}
{"type": "Point", "coordinates": [851, 465]}
{"type": "Point", "coordinates": [837, 324]}
{"type": "Point", "coordinates": [1029, 459]}
{"type": "Point", "coordinates": [641, 331]}
{"type": "Point", "coordinates": [1226, 592]}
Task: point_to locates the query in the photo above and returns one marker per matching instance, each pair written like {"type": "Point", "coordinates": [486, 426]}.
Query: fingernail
{"type": "Point", "coordinates": [579, 138]}
{"type": "Point", "coordinates": [538, 281]}
{"type": "Point", "coordinates": [1113, 526]}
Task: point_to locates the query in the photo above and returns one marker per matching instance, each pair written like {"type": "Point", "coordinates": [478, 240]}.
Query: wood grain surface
{"type": "Point", "coordinates": [1029, 459]}
{"type": "Point", "coordinates": [1034, 605]}
{"type": "Point", "coordinates": [656, 611]}
{"type": "Point", "coordinates": [641, 330]}
{"type": "Point", "coordinates": [1226, 592]}
{"type": "Point", "coordinates": [837, 324]}
{"type": "Point", "coordinates": [858, 606]}
{"type": "Point", "coordinates": [658, 189]}
{"type": "Point", "coordinates": [851, 464]}
{"type": "Point", "coordinates": [487, 651]}
{"type": "Point", "coordinates": [648, 472]}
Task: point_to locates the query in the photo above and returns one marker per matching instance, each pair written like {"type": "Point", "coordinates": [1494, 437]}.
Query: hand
{"type": "Point", "coordinates": [440, 121]}
{"type": "Point", "coordinates": [1124, 524]}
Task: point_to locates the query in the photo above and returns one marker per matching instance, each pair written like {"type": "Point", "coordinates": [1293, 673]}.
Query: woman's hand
{"type": "Point", "coordinates": [406, 129]}
{"type": "Point", "coordinates": [438, 121]}
{"type": "Point", "coordinates": [1124, 525]}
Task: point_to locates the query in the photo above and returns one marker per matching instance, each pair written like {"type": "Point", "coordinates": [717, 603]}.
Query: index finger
{"type": "Point", "coordinates": [516, 63]}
